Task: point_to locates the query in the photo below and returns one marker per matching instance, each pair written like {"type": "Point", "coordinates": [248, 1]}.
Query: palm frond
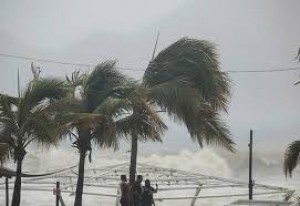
{"type": "Point", "coordinates": [42, 129]}
{"type": "Point", "coordinates": [114, 107]}
{"type": "Point", "coordinates": [185, 81]}
{"type": "Point", "coordinates": [9, 143]}
{"type": "Point", "coordinates": [8, 116]}
{"type": "Point", "coordinates": [210, 129]}
{"type": "Point", "coordinates": [106, 134]}
{"type": "Point", "coordinates": [196, 62]}
{"type": "Point", "coordinates": [93, 115]}
{"type": "Point", "coordinates": [6, 135]}
{"type": "Point", "coordinates": [64, 105]}
{"type": "Point", "coordinates": [77, 79]}
{"type": "Point", "coordinates": [291, 157]}
{"type": "Point", "coordinates": [4, 152]}
{"type": "Point", "coordinates": [76, 82]}
{"type": "Point", "coordinates": [176, 98]}
{"type": "Point", "coordinates": [42, 89]}
{"type": "Point", "coordinates": [121, 99]}
{"type": "Point", "coordinates": [101, 82]}
{"type": "Point", "coordinates": [37, 93]}
{"type": "Point", "coordinates": [27, 119]}
{"type": "Point", "coordinates": [14, 101]}
{"type": "Point", "coordinates": [143, 122]}
{"type": "Point", "coordinates": [138, 124]}
{"type": "Point", "coordinates": [129, 113]}
{"type": "Point", "coordinates": [81, 120]}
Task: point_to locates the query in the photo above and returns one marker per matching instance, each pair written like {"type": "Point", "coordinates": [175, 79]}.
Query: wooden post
{"type": "Point", "coordinates": [250, 166]}
{"type": "Point", "coordinates": [57, 193]}
{"type": "Point", "coordinates": [7, 191]}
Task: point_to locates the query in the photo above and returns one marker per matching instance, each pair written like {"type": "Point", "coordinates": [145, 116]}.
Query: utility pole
{"type": "Point", "coordinates": [7, 191]}
{"type": "Point", "coordinates": [250, 166]}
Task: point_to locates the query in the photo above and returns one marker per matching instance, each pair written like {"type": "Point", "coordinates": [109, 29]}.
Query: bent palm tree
{"type": "Point", "coordinates": [291, 158]}
{"type": "Point", "coordinates": [105, 110]}
{"type": "Point", "coordinates": [185, 81]}
{"type": "Point", "coordinates": [24, 121]}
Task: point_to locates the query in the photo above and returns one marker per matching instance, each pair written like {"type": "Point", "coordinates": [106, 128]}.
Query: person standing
{"type": "Point", "coordinates": [124, 188]}
{"type": "Point", "coordinates": [137, 191]}
{"type": "Point", "coordinates": [147, 196]}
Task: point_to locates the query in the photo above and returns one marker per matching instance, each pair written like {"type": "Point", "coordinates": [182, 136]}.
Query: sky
{"type": "Point", "coordinates": [249, 34]}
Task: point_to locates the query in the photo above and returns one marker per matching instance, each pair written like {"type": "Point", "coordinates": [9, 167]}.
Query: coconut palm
{"type": "Point", "coordinates": [104, 106]}
{"type": "Point", "coordinates": [184, 80]}
{"type": "Point", "coordinates": [291, 158]}
{"type": "Point", "coordinates": [24, 121]}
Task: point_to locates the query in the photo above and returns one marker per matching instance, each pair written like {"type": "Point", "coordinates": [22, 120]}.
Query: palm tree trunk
{"type": "Point", "coordinates": [17, 187]}
{"type": "Point", "coordinates": [80, 180]}
{"type": "Point", "coordinates": [133, 158]}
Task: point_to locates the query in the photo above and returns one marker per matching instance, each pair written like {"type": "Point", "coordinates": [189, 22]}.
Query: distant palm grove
{"type": "Point", "coordinates": [104, 106]}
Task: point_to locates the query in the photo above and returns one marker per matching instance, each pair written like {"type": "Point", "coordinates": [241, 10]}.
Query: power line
{"type": "Point", "coordinates": [136, 70]}
{"type": "Point", "coordinates": [44, 60]}
{"type": "Point", "coordinates": [55, 62]}
{"type": "Point", "coordinates": [266, 70]}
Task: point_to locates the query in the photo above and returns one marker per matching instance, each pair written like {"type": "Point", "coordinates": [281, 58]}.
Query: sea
{"type": "Point", "coordinates": [267, 169]}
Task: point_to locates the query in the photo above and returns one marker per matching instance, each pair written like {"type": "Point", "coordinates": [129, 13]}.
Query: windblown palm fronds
{"type": "Point", "coordinates": [291, 157]}
{"type": "Point", "coordinates": [111, 106]}
{"type": "Point", "coordinates": [185, 81]}
{"type": "Point", "coordinates": [193, 62]}
{"type": "Point", "coordinates": [4, 152]}
{"type": "Point", "coordinates": [25, 120]}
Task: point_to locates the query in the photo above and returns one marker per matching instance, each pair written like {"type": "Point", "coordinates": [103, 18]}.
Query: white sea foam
{"type": "Point", "coordinates": [267, 169]}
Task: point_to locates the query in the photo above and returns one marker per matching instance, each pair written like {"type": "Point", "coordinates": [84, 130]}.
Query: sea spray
{"type": "Point", "coordinates": [267, 170]}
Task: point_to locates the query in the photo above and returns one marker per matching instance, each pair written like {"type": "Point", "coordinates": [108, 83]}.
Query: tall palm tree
{"type": "Point", "coordinates": [102, 108]}
{"type": "Point", "coordinates": [291, 158]}
{"type": "Point", "coordinates": [24, 121]}
{"type": "Point", "coordinates": [184, 80]}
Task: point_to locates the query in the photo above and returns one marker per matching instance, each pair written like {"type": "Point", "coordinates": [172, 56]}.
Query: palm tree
{"type": "Point", "coordinates": [24, 121]}
{"type": "Point", "coordinates": [291, 158]}
{"type": "Point", "coordinates": [184, 80]}
{"type": "Point", "coordinates": [102, 108]}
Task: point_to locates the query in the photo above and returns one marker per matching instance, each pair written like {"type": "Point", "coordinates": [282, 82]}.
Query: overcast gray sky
{"type": "Point", "coordinates": [250, 35]}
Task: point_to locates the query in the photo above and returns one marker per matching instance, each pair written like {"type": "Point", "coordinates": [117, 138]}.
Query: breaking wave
{"type": "Point", "coordinates": [267, 168]}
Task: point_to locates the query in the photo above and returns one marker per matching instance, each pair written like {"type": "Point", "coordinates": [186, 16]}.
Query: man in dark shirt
{"type": "Point", "coordinates": [137, 191]}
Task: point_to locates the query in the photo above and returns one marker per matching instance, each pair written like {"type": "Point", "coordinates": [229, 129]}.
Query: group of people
{"type": "Point", "coordinates": [137, 194]}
